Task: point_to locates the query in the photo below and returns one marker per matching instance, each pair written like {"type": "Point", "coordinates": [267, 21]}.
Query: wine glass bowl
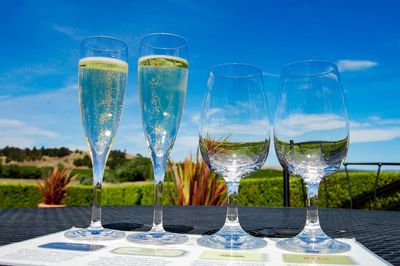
{"type": "Point", "coordinates": [234, 141]}
{"type": "Point", "coordinates": [311, 136]}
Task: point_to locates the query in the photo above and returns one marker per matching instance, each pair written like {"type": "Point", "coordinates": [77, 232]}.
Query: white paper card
{"type": "Point", "coordinates": [55, 249]}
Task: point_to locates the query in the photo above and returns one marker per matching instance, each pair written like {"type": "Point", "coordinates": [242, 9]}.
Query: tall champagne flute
{"type": "Point", "coordinates": [103, 71]}
{"type": "Point", "coordinates": [234, 141]}
{"type": "Point", "coordinates": [311, 136]}
{"type": "Point", "coordinates": [163, 74]}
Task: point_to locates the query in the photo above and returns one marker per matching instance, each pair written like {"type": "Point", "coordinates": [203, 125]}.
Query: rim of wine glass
{"type": "Point", "coordinates": [84, 43]}
{"type": "Point", "coordinates": [257, 71]}
{"type": "Point", "coordinates": [333, 66]}
{"type": "Point", "coordinates": [184, 44]}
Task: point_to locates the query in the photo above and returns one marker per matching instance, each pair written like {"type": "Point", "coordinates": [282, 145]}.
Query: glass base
{"type": "Point", "coordinates": [90, 234]}
{"type": "Point", "coordinates": [157, 238]}
{"type": "Point", "coordinates": [316, 242]}
{"type": "Point", "coordinates": [231, 238]}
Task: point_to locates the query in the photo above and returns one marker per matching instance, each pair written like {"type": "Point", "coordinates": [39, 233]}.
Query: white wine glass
{"type": "Point", "coordinates": [162, 82]}
{"type": "Point", "coordinates": [311, 136]}
{"type": "Point", "coordinates": [103, 71]}
{"type": "Point", "coordinates": [234, 141]}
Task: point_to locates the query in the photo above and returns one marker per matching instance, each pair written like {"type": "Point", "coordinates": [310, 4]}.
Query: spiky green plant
{"type": "Point", "coordinates": [54, 187]}
{"type": "Point", "coordinates": [196, 184]}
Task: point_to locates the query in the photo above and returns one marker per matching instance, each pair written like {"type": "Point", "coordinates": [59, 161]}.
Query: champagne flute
{"type": "Point", "coordinates": [103, 71]}
{"type": "Point", "coordinates": [162, 81]}
{"type": "Point", "coordinates": [234, 141]}
{"type": "Point", "coordinates": [311, 136]}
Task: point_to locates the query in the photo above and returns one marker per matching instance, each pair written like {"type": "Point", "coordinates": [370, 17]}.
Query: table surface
{"type": "Point", "coordinates": [379, 231]}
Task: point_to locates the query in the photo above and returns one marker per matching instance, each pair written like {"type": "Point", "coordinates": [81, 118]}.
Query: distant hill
{"type": "Point", "coordinates": [51, 161]}
{"type": "Point", "coordinates": [41, 157]}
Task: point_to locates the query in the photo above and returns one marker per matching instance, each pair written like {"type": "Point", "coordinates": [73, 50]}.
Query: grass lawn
{"type": "Point", "coordinates": [4, 181]}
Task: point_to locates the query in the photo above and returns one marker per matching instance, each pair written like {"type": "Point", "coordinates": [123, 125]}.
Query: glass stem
{"type": "Point", "coordinates": [232, 218]}
{"type": "Point", "coordinates": [98, 172]}
{"type": "Point", "coordinates": [312, 221]}
{"type": "Point", "coordinates": [159, 164]}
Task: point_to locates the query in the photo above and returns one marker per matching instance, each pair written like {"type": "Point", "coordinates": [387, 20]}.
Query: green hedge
{"type": "Point", "coordinates": [78, 196]}
{"type": "Point", "coordinates": [269, 192]}
{"type": "Point", "coordinates": [123, 195]}
{"type": "Point", "coordinates": [19, 196]}
{"type": "Point", "coordinates": [333, 193]}
{"type": "Point", "coordinates": [148, 194]}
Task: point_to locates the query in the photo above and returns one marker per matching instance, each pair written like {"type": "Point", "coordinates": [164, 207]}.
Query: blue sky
{"type": "Point", "coordinates": [39, 52]}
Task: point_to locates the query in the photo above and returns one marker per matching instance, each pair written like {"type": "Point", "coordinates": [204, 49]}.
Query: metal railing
{"type": "Point", "coordinates": [379, 165]}
{"type": "Point", "coordinates": [286, 184]}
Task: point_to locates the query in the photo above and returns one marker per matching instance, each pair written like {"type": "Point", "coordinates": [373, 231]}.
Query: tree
{"type": "Point", "coordinates": [116, 159]}
{"type": "Point", "coordinates": [137, 169]}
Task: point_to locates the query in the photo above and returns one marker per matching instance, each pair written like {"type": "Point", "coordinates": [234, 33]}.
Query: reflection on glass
{"type": "Point", "coordinates": [234, 141]}
{"type": "Point", "coordinates": [311, 138]}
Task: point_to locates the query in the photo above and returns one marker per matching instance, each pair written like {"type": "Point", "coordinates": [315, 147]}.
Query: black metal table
{"type": "Point", "coordinates": [379, 231]}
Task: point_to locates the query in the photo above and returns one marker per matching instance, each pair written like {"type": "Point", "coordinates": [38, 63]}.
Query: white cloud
{"type": "Point", "coordinates": [70, 32]}
{"type": "Point", "coordinates": [195, 118]}
{"type": "Point", "coordinates": [49, 119]}
{"type": "Point", "coordinates": [299, 124]}
{"type": "Point", "coordinates": [374, 134]}
{"type": "Point", "coordinates": [2, 97]}
{"type": "Point", "coordinates": [25, 79]}
{"type": "Point", "coordinates": [184, 146]}
{"type": "Point", "coordinates": [355, 65]}
{"type": "Point", "coordinates": [21, 134]}
{"type": "Point", "coordinates": [249, 127]}
{"type": "Point", "coordinates": [27, 73]}
{"type": "Point", "coordinates": [374, 129]}
{"type": "Point", "coordinates": [20, 126]}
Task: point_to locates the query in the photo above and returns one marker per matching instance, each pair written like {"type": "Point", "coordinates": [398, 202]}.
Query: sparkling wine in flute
{"type": "Point", "coordinates": [101, 90]}
{"type": "Point", "coordinates": [162, 90]}
{"type": "Point", "coordinates": [102, 76]}
{"type": "Point", "coordinates": [162, 81]}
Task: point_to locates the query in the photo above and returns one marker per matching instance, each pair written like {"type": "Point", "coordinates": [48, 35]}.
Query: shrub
{"type": "Point", "coordinates": [334, 190]}
{"type": "Point", "coordinates": [116, 159]}
{"type": "Point", "coordinates": [196, 184]}
{"type": "Point", "coordinates": [268, 192]}
{"type": "Point", "coordinates": [53, 188]}
{"type": "Point", "coordinates": [125, 195]}
{"type": "Point", "coordinates": [137, 169]}
{"type": "Point", "coordinates": [19, 196]}
{"type": "Point", "coordinates": [111, 177]}
{"type": "Point", "coordinates": [20, 155]}
{"type": "Point", "coordinates": [148, 194]}
{"type": "Point", "coordinates": [85, 161]}
{"type": "Point", "coordinates": [85, 180]}
{"type": "Point", "coordinates": [78, 196]}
